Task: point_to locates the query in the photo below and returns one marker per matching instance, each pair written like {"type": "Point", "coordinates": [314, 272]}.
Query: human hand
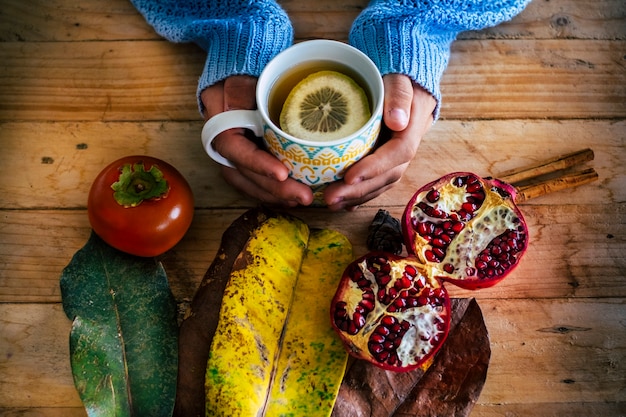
{"type": "Point", "coordinates": [408, 113]}
{"type": "Point", "coordinates": [258, 174]}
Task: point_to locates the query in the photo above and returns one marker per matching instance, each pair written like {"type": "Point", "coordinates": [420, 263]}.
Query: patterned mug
{"type": "Point", "coordinates": [315, 163]}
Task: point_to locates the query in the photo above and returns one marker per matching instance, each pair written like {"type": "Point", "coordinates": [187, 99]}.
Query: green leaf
{"type": "Point", "coordinates": [124, 337]}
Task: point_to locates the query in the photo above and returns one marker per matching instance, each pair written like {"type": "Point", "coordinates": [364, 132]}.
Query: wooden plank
{"type": "Point", "coordinates": [35, 367]}
{"type": "Point", "coordinates": [52, 164]}
{"type": "Point", "coordinates": [577, 19]}
{"type": "Point", "coordinates": [543, 351]}
{"type": "Point", "coordinates": [43, 412]}
{"type": "Point", "coordinates": [534, 79]}
{"type": "Point", "coordinates": [550, 409]}
{"type": "Point", "coordinates": [574, 251]}
{"type": "Point", "coordinates": [546, 351]}
{"type": "Point", "coordinates": [63, 159]}
{"type": "Point", "coordinates": [155, 80]}
{"type": "Point", "coordinates": [62, 20]}
{"type": "Point", "coordinates": [99, 81]}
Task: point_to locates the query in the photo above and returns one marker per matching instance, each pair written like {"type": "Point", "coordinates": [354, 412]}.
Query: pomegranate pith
{"type": "Point", "coordinates": [466, 228]}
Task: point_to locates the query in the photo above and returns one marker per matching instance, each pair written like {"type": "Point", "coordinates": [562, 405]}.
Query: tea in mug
{"type": "Point", "coordinates": [319, 101]}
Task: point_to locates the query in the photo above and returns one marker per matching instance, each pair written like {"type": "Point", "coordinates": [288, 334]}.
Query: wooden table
{"type": "Point", "coordinates": [83, 83]}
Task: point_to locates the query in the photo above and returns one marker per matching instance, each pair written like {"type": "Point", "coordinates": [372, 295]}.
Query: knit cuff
{"type": "Point", "coordinates": [405, 47]}
{"type": "Point", "coordinates": [242, 49]}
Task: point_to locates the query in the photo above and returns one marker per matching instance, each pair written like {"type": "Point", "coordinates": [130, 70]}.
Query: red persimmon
{"type": "Point", "coordinates": [140, 205]}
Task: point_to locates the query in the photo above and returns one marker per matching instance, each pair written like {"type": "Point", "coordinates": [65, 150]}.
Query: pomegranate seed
{"type": "Point", "coordinates": [457, 227]}
{"type": "Point", "coordinates": [393, 293]}
{"type": "Point", "coordinates": [383, 280]}
{"type": "Point", "coordinates": [400, 303]}
{"type": "Point", "coordinates": [474, 187]}
{"type": "Point", "coordinates": [459, 181]}
{"type": "Point", "coordinates": [449, 268]}
{"type": "Point", "coordinates": [377, 338]}
{"type": "Point", "coordinates": [368, 295]}
{"type": "Point", "coordinates": [425, 228]}
{"type": "Point", "coordinates": [367, 305]}
{"type": "Point", "coordinates": [432, 196]}
{"type": "Point", "coordinates": [382, 330]}
{"type": "Point", "coordinates": [359, 320]}
{"type": "Point", "coordinates": [376, 348]}
{"type": "Point", "coordinates": [439, 253]}
{"type": "Point", "coordinates": [481, 265]}
{"type": "Point", "coordinates": [410, 270]}
{"type": "Point", "coordinates": [464, 215]}
{"type": "Point", "coordinates": [388, 321]}
{"type": "Point", "coordinates": [469, 207]}
{"type": "Point", "coordinates": [438, 242]}
{"type": "Point", "coordinates": [401, 283]}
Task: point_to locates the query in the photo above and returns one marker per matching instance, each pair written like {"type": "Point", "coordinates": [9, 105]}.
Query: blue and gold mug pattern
{"type": "Point", "coordinates": [322, 164]}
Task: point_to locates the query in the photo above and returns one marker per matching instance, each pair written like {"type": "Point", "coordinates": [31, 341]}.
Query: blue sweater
{"type": "Point", "coordinates": [402, 36]}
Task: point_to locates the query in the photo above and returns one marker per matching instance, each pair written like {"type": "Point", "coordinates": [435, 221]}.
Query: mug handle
{"type": "Point", "coordinates": [247, 119]}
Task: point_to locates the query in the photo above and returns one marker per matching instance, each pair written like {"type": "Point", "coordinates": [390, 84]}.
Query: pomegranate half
{"type": "Point", "coordinates": [467, 229]}
{"type": "Point", "coordinates": [389, 312]}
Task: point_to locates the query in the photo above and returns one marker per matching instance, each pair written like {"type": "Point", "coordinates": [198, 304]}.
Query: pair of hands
{"type": "Point", "coordinates": [408, 114]}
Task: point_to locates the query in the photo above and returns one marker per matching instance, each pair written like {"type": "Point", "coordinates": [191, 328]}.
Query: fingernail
{"type": "Point", "coordinates": [399, 116]}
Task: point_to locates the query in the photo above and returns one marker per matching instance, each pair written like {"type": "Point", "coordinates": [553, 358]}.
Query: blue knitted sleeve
{"type": "Point", "coordinates": [413, 37]}
{"type": "Point", "coordinates": [240, 37]}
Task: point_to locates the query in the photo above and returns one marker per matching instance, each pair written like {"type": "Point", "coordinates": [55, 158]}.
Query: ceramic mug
{"type": "Point", "coordinates": [314, 163]}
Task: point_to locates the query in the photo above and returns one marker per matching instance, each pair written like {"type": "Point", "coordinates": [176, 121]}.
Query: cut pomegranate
{"type": "Point", "coordinates": [467, 229]}
{"type": "Point", "coordinates": [394, 312]}
{"type": "Point", "coordinates": [389, 312]}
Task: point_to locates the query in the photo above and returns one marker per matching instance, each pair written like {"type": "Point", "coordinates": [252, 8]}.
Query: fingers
{"type": "Point", "coordinates": [258, 174]}
{"type": "Point", "coordinates": [378, 171]}
{"type": "Point", "coordinates": [239, 92]}
{"type": "Point", "coordinates": [236, 92]}
{"type": "Point", "coordinates": [398, 100]}
{"type": "Point", "coordinates": [288, 193]}
{"type": "Point", "coordinates": [213, 100]}
{"type": "Point", "coordinates": [245, 154]}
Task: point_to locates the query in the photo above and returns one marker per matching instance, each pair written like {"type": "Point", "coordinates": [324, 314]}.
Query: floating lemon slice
{"type": "Point", "coordinates": [325, 106]}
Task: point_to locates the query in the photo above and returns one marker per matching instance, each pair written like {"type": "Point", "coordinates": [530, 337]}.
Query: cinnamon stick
{"type": "Point", "coordinates": [555, 184]}
{"type": "Point", "coordinates": [546, 167]}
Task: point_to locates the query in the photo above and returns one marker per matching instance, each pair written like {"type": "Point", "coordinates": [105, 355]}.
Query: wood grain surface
{"type": "Point", "coordinates": [83, 83]}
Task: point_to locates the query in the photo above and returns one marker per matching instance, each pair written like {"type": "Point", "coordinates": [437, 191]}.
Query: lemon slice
{"type": "Point", "coordinates": [325, 106]}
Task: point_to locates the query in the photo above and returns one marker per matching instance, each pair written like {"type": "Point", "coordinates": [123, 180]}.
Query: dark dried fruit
{"type": "Point", "coordinates": [385, 233]}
